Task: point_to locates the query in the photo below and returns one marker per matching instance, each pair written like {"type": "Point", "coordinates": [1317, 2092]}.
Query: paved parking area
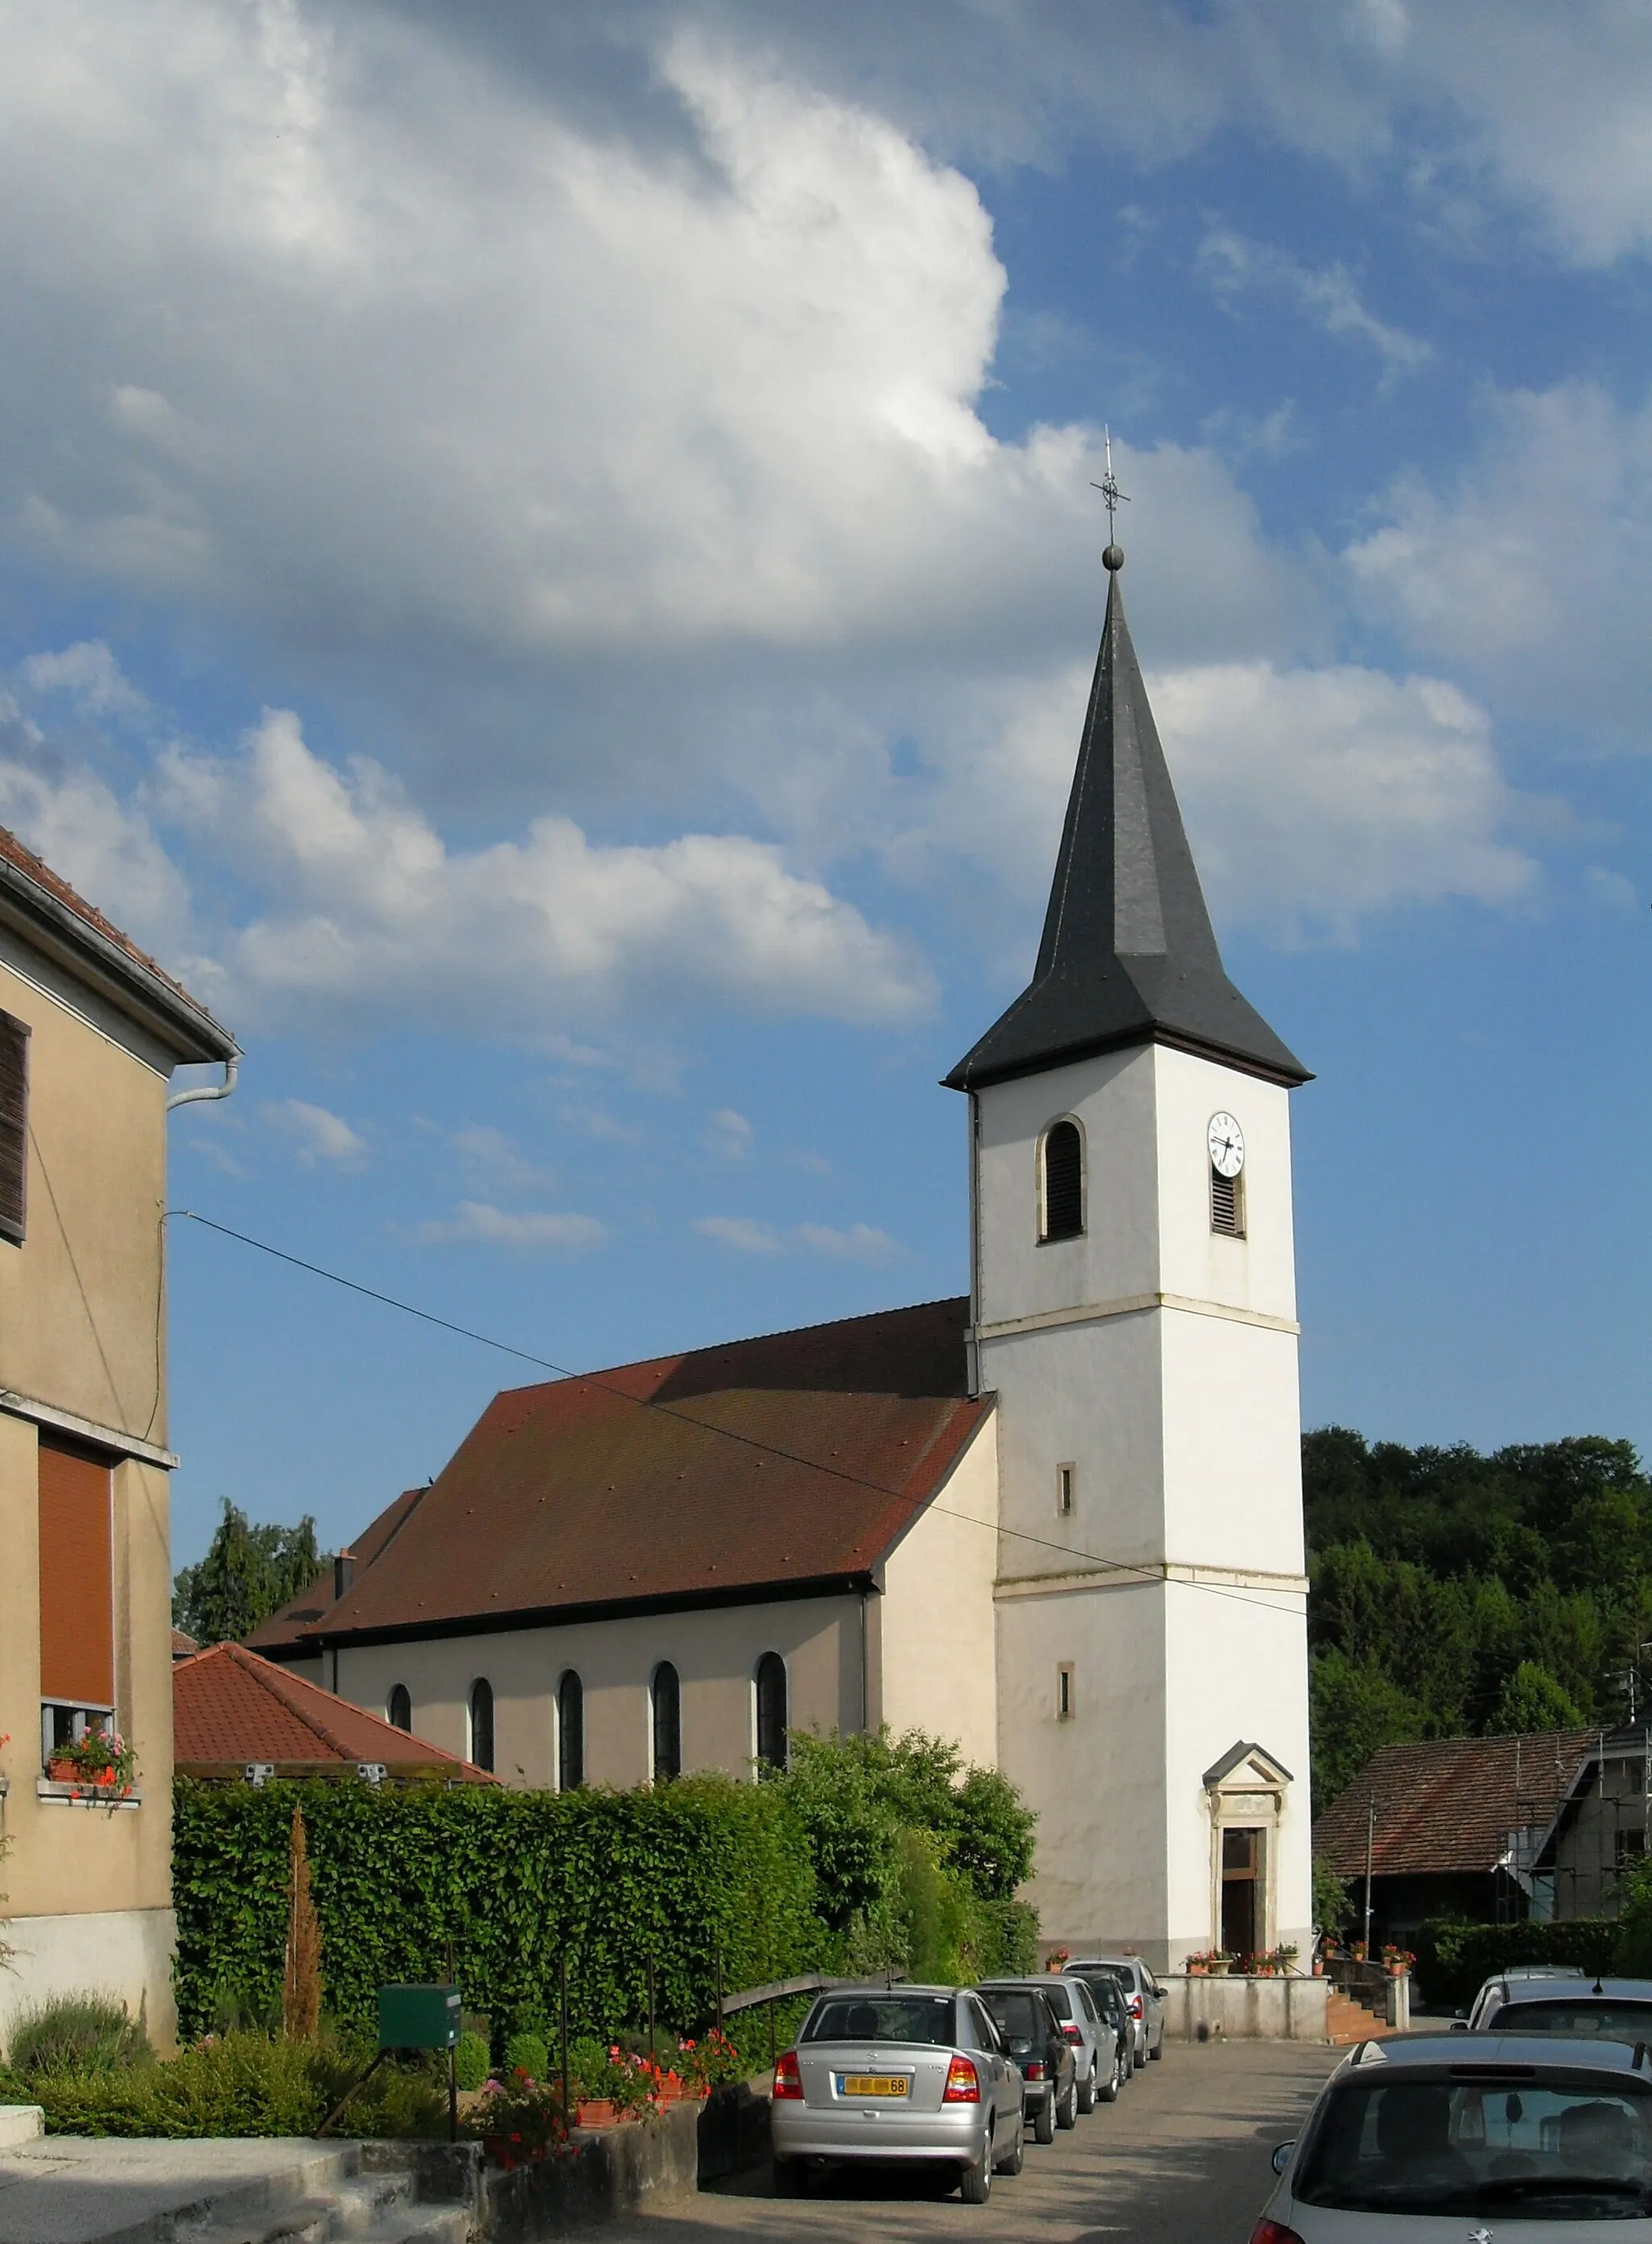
{"type": "Point", "coordinates": [1183, 2154]}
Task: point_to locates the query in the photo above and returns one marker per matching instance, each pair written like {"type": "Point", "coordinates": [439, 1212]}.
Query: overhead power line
{"type": "Point", "coordinates": [1122, 1566]}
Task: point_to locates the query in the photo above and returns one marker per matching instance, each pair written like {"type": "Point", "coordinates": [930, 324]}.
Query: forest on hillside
{"type": "Point", "coordinates": [1453, 1593]}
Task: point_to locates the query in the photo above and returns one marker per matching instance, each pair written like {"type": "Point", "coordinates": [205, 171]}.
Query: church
{"type": "Point", "coordinates": [1059, 1520]}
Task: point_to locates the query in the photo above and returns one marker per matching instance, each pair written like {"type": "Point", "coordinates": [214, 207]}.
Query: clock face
{"type": "Point", "coordinates": [1227, 1142]}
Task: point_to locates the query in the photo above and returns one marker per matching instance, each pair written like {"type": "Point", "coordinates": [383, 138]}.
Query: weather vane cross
{"type": "Point", "coordinates": [1111, 496]}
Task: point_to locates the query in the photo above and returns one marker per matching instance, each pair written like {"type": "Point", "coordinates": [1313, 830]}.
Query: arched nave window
{"type": "Point", "coordinates": [571, 1733]}
{"type": "Point", "coordinates": [666, 1708]}
{"type": "Point", "coordinates": [772, 1714]}
{"type": "Point", "coordinates": [482, 1722]}
{"type": "Point", "coordinates": [399, 1713]}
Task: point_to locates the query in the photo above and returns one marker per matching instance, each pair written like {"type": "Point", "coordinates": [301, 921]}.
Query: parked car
{"type": "Point", "coordinates": [1424, 2137]}
{"type": "Point", "coordinates": [900, 2073]}
{"type": "Point", "coordinates": [1031, 2033]}
{"type": "Point", "coordinates": [1503, 1986]}
{"type": "Point", "coordinates": [1094, 2041]}
{"type": "Point", "coordinates": [1114, 2006]}
{"type": "Point", "coordinates": [1141, 1990]}
{"type": "Point", "coordinates": [1619, 2010]}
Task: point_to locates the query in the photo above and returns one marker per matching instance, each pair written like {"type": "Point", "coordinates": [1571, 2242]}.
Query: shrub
{"type": "Point", "coordinates": [241, 2085]}
{"type": "Point", "coordinates": [529, 2053]}
{"type": "Point", "coordinates": [694, 1874]}
{"type": "Point", "coordinates": [1454, 1960]}
{"type": "Point", "coordinates": [91, 2032]}
{"type": "Point", "coordinates": [1633, 1954]}
{"type": "Point", "coordinates": [471, 2062]}
{"type": "Point", "coordinates": [1013, 1944]}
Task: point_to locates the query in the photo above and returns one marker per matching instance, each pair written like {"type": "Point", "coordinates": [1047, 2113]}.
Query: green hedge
{"type": "Point", "coordinates": [692, 1873]}
{"type": "Point", "coordinates": [1455, 1961]}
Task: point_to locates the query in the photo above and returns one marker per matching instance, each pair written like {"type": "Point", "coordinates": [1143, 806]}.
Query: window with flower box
{"type": "Point", "coordinates": [76, 1594]}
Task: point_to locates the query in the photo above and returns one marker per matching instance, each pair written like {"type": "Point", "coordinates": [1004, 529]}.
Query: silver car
{"type": "Point", "coordinates": [1616, 2010]}
{"type": "Point", "coordinates": [1428, 2139]}
{"type": "Point", "coordinates": [1509, 1986]}
{"type": "Point", "coordinates": [1095, 2044]}
{"type": "Point", "coordinates": [899, 2073]}
{"type": "Point", "coordinates": [1141, 1991]}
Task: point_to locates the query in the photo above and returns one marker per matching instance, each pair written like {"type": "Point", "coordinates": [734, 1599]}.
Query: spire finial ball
{"type": "Point", "coordinates": [1113, 557]}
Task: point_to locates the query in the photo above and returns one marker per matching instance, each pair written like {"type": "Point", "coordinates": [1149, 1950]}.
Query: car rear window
{"type": "Point", "coordinates": [1058, 1999]}
{"type": "Point", "coordinates": [930, 2019]}
{"type": "Point", "coordinates": [1524, 2143]}
{"type": "Point", "coordinates": [1016, 2016]}
{"type": "Point", "coordinates": [1607, 2018]}
{"type": "Point", "coordinates": [1109, 1995]}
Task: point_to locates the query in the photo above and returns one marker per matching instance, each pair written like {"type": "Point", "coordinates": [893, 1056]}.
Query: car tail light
{"type": "Point", "coordinates": [789, 2082]}
{"type": "Point", "coordinates": [1272, 2232]}
{"type": "Point", "coordinates": [1071, 2031]}
{"type": "Point", "coordinates": [962, 2083]}
{"type": "Point", "coordinates": [1135, 2006]}
{"type": "Point", "coordinates": [1035, 2071]}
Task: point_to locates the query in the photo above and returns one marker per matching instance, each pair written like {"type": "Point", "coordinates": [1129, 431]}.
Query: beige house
{"type": "Point", "coordinates": [91, 1031]}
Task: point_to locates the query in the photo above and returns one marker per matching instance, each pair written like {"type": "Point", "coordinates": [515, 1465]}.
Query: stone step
{"type": "Point", "coordinates": [367, 2209]}
{"type": "Point", "coordinates": [20, 2123]}
{"type": "Point", "coordinates": [1348, 2021]}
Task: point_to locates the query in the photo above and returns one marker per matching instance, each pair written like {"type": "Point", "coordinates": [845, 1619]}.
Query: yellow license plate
{"type": "Point", "coordinates": [875, 2083]}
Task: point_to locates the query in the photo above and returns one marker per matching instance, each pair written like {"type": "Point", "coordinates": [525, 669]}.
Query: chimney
{"type": "Point", "coordinates": [343, 1573]}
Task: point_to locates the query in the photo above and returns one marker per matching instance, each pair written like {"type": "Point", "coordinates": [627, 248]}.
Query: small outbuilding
{"type": "Point", "coordinates": [236, 1716]}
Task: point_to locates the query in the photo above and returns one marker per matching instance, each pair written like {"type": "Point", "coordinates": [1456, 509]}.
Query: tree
{"type": "Point", "coordinates": [1533, 1700]}
{"type": "Point", "coordinates": [249, 1574]}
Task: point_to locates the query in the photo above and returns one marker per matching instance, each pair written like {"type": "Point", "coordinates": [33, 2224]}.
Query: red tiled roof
{"type": "Point", "coordinates": [230, 1706]}
{"type": "Point", "coordinates": [183, 1645]}
{"type": "Point", "coordinates": [1449, 1803]}
{"type": "Point", "coordinates": [35, 870]}
{"type": "Point", "coordinates": [792, 1460]}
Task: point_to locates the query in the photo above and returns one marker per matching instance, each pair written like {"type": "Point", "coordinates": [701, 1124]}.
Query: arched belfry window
{"type": "Point", "coordinates": [772, 1714]}
{"type": "Point", "coordinates": [482, 1722]}
{"type": "Point", "coordinates": [571, 1733]}
{"type": "Point", "coordinates": [399, 1713]}
{"type": "Point", "coordinates": [666, 1707]}
{"type": "Point", "coordinates": [1061, 1182]}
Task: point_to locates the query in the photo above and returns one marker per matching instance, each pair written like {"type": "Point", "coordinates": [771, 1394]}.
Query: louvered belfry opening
{"type": "Point", "coordinates": [1062, 1210]}
{"type": "Point", "coordinates": [668, 1723]}
{"type": "Point", "coordinates": [571, 1733]}
{"type": "Point", "coordinates": [77, 1593]}
{"type": "Point", "coordinates": [1227, 1205]}
{"type": "Point", "coordinates": [14, 1128]}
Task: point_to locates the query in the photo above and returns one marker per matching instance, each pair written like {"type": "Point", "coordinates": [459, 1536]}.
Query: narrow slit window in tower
{"type": "Point", "coordinates": [1064, 1490]}
{"type": "Point", "coordinates": [1064, 1692]}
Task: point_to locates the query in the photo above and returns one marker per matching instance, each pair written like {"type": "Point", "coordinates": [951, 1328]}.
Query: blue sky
{"type": "Point", "coordinates": [549, 568]}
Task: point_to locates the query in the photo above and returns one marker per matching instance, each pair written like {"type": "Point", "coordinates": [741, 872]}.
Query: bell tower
{"type": "Point", "coordinates": [1133, 1310]}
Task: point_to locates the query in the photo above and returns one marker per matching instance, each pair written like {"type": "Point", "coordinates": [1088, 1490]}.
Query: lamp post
{"type": "Point", "coordinates": [1371, 1835]}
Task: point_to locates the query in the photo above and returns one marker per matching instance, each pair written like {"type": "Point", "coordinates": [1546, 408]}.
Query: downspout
{"type": "Point", "coordinates": [224, 1090]}
{"type": "Point", "coordinates": [973, 1366]}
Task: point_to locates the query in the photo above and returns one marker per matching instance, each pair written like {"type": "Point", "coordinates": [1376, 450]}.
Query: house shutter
{"type": "Point", "coordinates": [77, 1579]}
{"type": "Point", "coordinates": [14, 1126]}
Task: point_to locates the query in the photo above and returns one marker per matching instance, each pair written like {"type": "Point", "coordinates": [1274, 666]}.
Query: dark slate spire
{"type": "Point", "coordinates": [1128, 955]}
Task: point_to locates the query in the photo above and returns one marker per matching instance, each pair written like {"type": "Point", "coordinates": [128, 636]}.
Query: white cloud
{"type": "Point", "coordinates": [596, 1122]}
{"type": "Point", "coordinates": [1534, 571]}
{"type": "Point", "coordinates": [476, 1222]}
{"type": "Point", "coordinates": [740, 1231]}
{"type": "Point", "coordinates": [319, 1135]}
{"type": "Point", "coordinates": [105, 849]}
{"type": "Point", "coordinates": [731, 1134]}
{"type": "Point", "coordinates": [90, 675]}
{"type": "Point", "coordinates": [1312, 797]}
{"type": "Point", "coordinates": [370, 912]}
{"type": "Point", "coordinates": [1326, 294]}
{"type": "Point", "coordinates": [489, 1155]}
{"type": "Point", "coordinates": [860, 1243]}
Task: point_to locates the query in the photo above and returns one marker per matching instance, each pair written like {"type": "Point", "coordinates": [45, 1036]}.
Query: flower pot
{"type": "Point", "coordinates": [1198, 1971]}
{"type": "Point", "coordinates": [596, 2112]}
{"type": "Point", "coordinates": [1319, 1967]}
{"type": "Point", "coordinates": [1221, 1967]}
{"type": "Point", "coordinates": [1398, 1970]}
{"type": "Point", "coordinates": [63, 1772]}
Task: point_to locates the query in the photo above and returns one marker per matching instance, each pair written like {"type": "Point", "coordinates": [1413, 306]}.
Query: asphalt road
{"type": "Point", "coordinates": [1182, 2155]}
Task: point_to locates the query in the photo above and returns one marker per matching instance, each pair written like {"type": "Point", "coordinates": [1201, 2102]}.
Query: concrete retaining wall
{"type": "Point", "coordinates": [1249, 2010]}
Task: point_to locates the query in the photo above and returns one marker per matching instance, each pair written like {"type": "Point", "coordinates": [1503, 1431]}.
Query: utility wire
{"type": "Point", "coordinates": [1151, 1573]}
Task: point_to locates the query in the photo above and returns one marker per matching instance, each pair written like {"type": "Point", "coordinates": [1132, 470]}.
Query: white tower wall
{"type": "Point", "coordinates": [1158, 1359]}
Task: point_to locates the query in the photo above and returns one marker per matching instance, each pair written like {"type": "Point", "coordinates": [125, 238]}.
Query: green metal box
{"type": "Point", "coordinates": [418, 2017]}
